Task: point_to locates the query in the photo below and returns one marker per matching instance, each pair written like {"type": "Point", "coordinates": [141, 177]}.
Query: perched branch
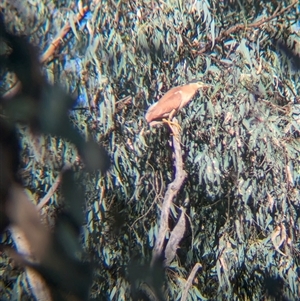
{"type": "Point", "coordinates": [172, 190]}
{"type": "Point", "coordinates": [189, 281]}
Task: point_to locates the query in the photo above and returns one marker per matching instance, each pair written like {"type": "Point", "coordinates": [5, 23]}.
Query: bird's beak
{"type": "Point", "coordinates": [203, 85]}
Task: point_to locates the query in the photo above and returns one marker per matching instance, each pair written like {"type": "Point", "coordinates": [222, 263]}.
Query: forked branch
{"type": "Point", "coordinates": [172, 191]}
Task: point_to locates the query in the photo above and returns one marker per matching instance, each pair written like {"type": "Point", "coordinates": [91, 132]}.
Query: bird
{"type": "Point", "coordinates": [173, 101]}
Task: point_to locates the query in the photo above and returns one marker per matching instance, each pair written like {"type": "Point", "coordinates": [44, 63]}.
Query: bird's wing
{"type": "Point", "coordinates": [170, 101]}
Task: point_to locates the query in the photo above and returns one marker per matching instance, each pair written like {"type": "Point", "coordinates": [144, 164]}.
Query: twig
{"type": "Point", "coordinates": [54, 187]}
{"type": "Point", "coordinates": [278, 231]}
{"type": "Point", "coordinates": [157, 196]}
{"type": "Point", "coordinates": [171, 192]}
{"type": "Point", "coordinates": [122, 103]}
{"type": "Point", "coordinates": [189, 281]}
{"type": "Point", "coordinates": [139, 218]}
{"type": "Point", "coordinates": [56, 42]}
{"type": "Point", "coordinates": [238, 27]}
{"type": "Point", "coordinates": [284, 109]}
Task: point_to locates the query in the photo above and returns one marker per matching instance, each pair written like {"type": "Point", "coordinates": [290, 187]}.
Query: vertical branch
{"type": "Point", "coordinates": [172, 190]}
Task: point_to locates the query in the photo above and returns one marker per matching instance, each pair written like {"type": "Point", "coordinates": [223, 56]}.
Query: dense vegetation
{"type": "Point", "coordinates": [240, 139]}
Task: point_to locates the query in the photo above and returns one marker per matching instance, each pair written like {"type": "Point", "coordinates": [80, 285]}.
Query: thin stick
{"type": "Point", "coordinates": [238, 27]}
{"type": "Point", "coordinates": [54, 187]}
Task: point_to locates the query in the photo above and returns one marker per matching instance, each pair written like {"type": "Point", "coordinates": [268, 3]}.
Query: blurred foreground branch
{"type": "Point", "coordinates": [51, 49]}
{"type": "Point", "coordinates": [43, 107]}
{"type": "Point", "coordinates": [52, 259]}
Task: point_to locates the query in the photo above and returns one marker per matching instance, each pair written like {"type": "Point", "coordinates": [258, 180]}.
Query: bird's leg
{"type": "Point", "coordinates": [170, 122]}
{"type": "Point", "coordinates": [174, 125]}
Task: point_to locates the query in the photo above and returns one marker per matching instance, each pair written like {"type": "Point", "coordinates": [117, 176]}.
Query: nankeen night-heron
{"type": "Point", "coordinates": [173, 101]}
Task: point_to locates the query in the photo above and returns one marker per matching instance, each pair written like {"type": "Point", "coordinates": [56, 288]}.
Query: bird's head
{"type": "Point", "coordinates": [197, 84]}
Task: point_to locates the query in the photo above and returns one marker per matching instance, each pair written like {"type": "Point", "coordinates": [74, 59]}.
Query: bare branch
{"type": "Point", "coordinates": [175, 238]}
{"type": "Point", "coordinates": [53, 188]}
{"type": "Point", "coordinates": [56, 42]}
{"type": "Point", "coordinates": [172, 190]}
{"type": "Point", "coordinates": [189, 281]}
